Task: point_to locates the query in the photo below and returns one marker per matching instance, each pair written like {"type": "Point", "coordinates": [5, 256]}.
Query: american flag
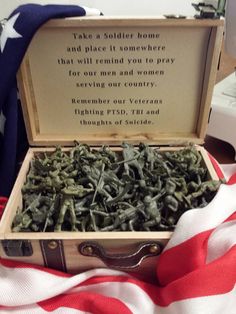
{"type": "Point", "coordinates": [16, 35]}
{"type": "Point", "coordinates": [196, 273]}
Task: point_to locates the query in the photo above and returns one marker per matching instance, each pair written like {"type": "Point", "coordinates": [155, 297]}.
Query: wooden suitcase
{"type": "Point", "coordinates": [106, 80]}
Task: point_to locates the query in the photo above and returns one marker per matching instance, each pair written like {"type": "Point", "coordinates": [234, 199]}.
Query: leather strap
{"type": "Point", "coordinates": [53, 254]}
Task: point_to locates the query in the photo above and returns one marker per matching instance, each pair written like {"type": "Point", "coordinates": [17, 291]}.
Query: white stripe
{"type": "Point", "coordinates": [228, 170]}
{"type": "Point", "coordinates": [91, 11]}
{"type": "Point", "coordinates": [198, 220]}
{"type": "Point", "coordinates": [221, 240]}
{"type": "Point", "coordinates": [139, 302]}
{"type": "Point", "coordinates": [130, 294]}
{"type": "Point", "coordinates": [35, 309]}
{"type": "Point", "coordinates": [17, 284]}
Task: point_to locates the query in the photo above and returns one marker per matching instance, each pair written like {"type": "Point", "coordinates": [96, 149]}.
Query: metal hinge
{"type": "Point", "coordinates": [175, 16]}
{"type": "Point", "coordinates": [207, 11]}
{"type": "Point", "coordinates": [16, 248]}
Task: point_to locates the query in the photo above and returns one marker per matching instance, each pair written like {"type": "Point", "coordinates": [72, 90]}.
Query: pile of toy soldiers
{"type": "Point", "coordinates": [134, 189]}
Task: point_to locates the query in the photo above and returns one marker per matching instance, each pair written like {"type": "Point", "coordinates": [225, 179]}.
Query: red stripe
{"type": "Point", "coordinates": [18, 264]}
{"type": "Point", "coordinates": [86, 301]}
{"type": "Point", "coordinates": [3, 203]}
{"type": "Point", "coordinates": [216, 167]}
{"type": "Point", "coordinates": [218, 277]}
{"type": "Point", "coordinates": [232, 217]}
{"type": "Point", "coordinates": [232, 179]}
{"type": "Point", "coordinates": [187, 256]}
{"type": "Point", "coordinates": [182, 259]}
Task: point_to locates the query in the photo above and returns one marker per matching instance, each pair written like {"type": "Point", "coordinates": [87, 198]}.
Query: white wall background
{"type": "Point", "coordinates": [114, 7]}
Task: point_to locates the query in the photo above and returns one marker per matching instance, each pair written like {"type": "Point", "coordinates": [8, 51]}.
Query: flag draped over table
{"type": "Point", "coordinates": [196, 274]}
{"type": "Point", "coordinates": [15, 37]}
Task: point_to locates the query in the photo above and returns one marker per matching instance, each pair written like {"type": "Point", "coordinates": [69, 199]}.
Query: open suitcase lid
{"type": "Point", "coordinates": [104, 80]}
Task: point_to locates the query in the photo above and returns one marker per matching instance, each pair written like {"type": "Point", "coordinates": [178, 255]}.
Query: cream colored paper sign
{"type": "Point", "coordinates": [123, 80]}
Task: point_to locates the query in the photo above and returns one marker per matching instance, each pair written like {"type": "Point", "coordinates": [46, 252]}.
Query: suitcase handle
{"type": "Point", "coordinates": [121, 261]}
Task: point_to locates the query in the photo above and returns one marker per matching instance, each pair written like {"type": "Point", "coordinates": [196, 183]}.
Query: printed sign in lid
{"type": "Point", "coordinates": [108, 80]}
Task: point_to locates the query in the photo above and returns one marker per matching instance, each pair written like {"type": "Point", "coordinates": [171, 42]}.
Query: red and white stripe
{"type": "Point", "coordinates": [196, 274]}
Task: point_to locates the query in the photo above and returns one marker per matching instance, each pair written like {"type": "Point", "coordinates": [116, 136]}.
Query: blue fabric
{"type": "Point", "coordinates": [12, 133]}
